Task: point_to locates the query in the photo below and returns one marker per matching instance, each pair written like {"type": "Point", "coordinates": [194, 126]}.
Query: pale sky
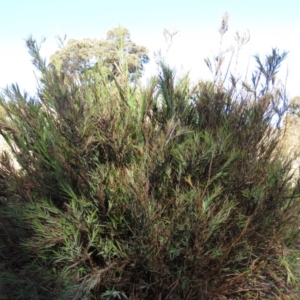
{"type": "Point", "coordinates": [270, 23]}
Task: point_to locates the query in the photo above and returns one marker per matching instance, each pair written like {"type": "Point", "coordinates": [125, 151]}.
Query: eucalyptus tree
{"type": "Point", "coordinates": [76, 56]}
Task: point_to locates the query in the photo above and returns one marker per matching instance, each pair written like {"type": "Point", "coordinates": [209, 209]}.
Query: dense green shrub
{"type": "Point", "coordinates": [120, 198]}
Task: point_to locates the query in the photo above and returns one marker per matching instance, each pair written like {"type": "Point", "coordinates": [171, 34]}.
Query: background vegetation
{"type": "Point", "coordinates": [164, 191]}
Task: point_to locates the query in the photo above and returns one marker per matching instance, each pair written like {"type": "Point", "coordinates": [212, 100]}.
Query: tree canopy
{"type": "Point", "coordinates": [78, 55]}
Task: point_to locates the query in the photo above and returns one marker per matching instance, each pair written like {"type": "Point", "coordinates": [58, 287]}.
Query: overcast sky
{"type": "Point", "coordinates": [270, 23]}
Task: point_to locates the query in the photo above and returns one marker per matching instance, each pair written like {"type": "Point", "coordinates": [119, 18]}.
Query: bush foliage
{"type": "Point", "coordinates": [169, 191]}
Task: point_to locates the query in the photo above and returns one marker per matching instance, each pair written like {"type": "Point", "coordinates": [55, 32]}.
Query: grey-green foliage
{"type": "Point", "coordinates": [78, 55]}
{"type": "Point", "coordinates": [294, 108]}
